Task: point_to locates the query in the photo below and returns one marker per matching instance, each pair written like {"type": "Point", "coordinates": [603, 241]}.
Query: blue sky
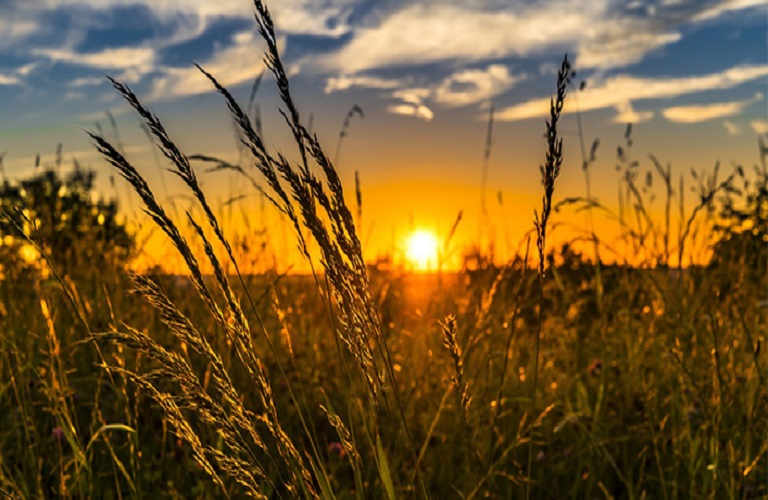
{"type": "Point", "coordinates": [415, 58]}
{"type": "Point", "coordinates": [690, 74]}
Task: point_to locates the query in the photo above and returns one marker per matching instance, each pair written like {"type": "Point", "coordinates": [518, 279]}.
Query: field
{"type": "Point", "coordinates": [553, 375]}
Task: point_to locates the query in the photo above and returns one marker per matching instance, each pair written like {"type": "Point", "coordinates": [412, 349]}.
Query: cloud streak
{"type": "Point", "coordinates": [470, 55]}
{"type": "Point", "coordinates": [346, 82]}
{"type": "Point", "coordinates": [705, 112]}
{"type": "Point", "coordinates": [759, 126]}
{"type": "Point", "coordinates": [605, 33]}
{"type": "Point", "coordinates": [732, 129]}
{"type": "Point", "coordinates": [113, 58]}
{"type": "Point", "coordinates": [9, 80]}
{"type": "Point", "coordinates": [617, 91]}
{"type": "Point", "coordinates": [726, 6]}
{"type": "Point", "coordinates": [475, 85]}
{"type": "Point", "coordinates": [415, 110]}
{"type": "Point", "coordinates": [238, 63]}
{"type": "Point", "coordinates": [32, 30]}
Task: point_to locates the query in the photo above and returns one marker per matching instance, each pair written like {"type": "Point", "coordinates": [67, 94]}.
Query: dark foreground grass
{"type": "Point", "coordinates": [662, 397]}
{"type": "Point", "coordinates": [629, 381]}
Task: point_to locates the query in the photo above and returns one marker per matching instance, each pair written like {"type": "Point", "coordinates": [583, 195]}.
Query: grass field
{"type": "Point", "coordinates": [554, 375]}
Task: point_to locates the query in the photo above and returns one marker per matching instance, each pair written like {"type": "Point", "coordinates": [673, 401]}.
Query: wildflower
{"type": "Point", "coordinates": [58, 434]}
{"type": "Point", "coordinates": [335, 448]}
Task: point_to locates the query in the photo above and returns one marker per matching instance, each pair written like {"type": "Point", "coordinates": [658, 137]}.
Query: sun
{"type": "Point", "coordinates": [421, 250]}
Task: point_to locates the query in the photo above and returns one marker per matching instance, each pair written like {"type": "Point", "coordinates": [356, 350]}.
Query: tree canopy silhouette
{"type": "Point", "coordinates": [76, 229]}
{"type": "Point", "coordinates": [744, 225]}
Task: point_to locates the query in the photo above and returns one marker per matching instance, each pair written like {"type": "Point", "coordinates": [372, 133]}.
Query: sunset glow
{"type": "Point", "coordinates": [421, 250]}
{"type": "Point", "coordinates": [404, 114]}
{"type": "Point", "coordinates": [415, 223]}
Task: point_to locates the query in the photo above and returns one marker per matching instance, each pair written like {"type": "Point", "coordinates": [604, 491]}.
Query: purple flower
{"type": "Point", "coordinates": [335, 448]}
{"type": "Point", "coordinates": [58, 434]}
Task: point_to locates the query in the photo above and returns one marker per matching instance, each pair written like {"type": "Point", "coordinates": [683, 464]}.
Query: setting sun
{"type": "Point", "coordinates": [421, 250]}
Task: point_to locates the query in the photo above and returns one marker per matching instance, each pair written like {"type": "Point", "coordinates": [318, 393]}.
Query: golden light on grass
{"type": "Point", "coordinates": [29, 254]}
{"type": "Point", "coordinates": [421, 250]}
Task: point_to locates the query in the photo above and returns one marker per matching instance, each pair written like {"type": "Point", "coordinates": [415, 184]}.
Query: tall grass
{"type": "Point", "coordinates": [308, 202]}
{"type": "Point", "coordinates": [549, 173]}
{"type": "Point", "coordinates": [348, 384]}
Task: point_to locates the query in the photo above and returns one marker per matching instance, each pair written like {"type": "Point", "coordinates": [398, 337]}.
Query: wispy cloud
{"type": "Point", "coordinates": [16, 76]}
{"type": "Point", "coordinates": [759, 126]}
{"type": "Point", "coordinates": [111, 58]}
{"type": "Point", "coordinates": [317, 17]}
{"type": "Point", "coordinates": [31, 29]}
{"type": "Point", "coordinates": [725, 6]}
{"type": "Point", "coordinates": [704, 112]}
{"type": "Point", "coordinates": [475, 85]}
{"type": "Point", "coordinates": [455, 33]}
{"type": "Point", "coordinates": [412, 103]}
{"type": "Point", "coordinates": [622, 44]}
{"type": "Point", "coordinates": [415, 110]}
{"type": "Point", "coordinates": [86, 82]}
{"type": "Point", "coordinates": [617, 91]}
{"type": "Point", "coordinates": [16, 28]}
{"type": "Point", "coordinates": [345, 82]}
{"type": "Point", "coordinates": [235, 64]}
{"type": "Point", "coordinates": [9, 80]}
{"type": "Point", "coordinates": [732, 129]}
{"type": "Point", "coordinates": [626, 113]}
{"type": "Point", "coordinates": [461, 88]}
{"type": "Point", "coordinates": [456, 53]}
{"type": "Point", "coordinates": [328, 18]}
{"type": "Point", "coordinates": [605, 33]}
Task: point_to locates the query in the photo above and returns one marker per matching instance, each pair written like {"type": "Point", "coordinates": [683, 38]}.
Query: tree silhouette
{"type": "Point", "coordinates": [744, 226]}
{"type": "Point", "coordinates": [77, 231]}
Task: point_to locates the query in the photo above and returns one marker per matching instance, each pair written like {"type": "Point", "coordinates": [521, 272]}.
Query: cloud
{"type": "Point", "coordinates": [412, 103]}
{"type": "Point", "coordinates": [605, 33]}
{"type": "Point", "coordinates": [34, 29]}
{"type": "Point", "coordinates": [731, 128]}
{"type": "Point", "coordinates": [15, 77]}
{"type": "Point", "coordinates": [87, 82]}
{"type": "Point", "coordinates": [726, 6]}
{"type": "Point", "coordinates": [312, 17]}
{"type": "Point", "coordinates": [111, 58]}
{"type": "Point", "coordinates": [15, 28]}
{"type": "Point", "coordinates": [759, 126]}
{"type": "Point", "coordinates": [461, 88]}
{"type": "Point", "coordinates": [27, 68]}
{"type": "Point", "coordinates": [475, 85]}
{"type": "Point", "coordinates": [702, 113]}
{"type": "Point", "coordinates": [412, 96]}
{"type": "Point", "coordinates": [417, 110]}
{"type": "Point", "coordinates": [235, 64]}
{"type": "Point", "coordinates": [345, 82]}
{"type": "Point", "coordinates": [622, 44]}
{"type": "Point", "coordinates": [9, 80]}
{"type": "Point", "coordinates": [617, 91]}
{"type": "Point", "coordinates": [455, 32]}
{"type": "Point", "coordinates": [316, 17]}
{"type": "Point", "coordinates": [705, 112]}
{"type": "Point", "coordinates": [626, 114]}
{"type": "Point", "coordinates": [473, 39]}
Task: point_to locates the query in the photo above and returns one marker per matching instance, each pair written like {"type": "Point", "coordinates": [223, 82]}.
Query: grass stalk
{"type": "Point", "coordinates": [549, 173]}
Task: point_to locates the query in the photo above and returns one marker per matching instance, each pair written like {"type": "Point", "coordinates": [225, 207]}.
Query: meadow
{"type": "Point", "coordinates": [554, 375]}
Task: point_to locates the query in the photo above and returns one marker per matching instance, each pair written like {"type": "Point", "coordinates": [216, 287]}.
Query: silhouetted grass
{"type": "Point", "coordinates": [640, 380]}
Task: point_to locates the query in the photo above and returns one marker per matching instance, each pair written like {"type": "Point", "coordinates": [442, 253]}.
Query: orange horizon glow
{"type": "Point", "coordinates": [419, 249]}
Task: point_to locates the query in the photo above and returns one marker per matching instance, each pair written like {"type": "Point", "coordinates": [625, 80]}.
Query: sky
{"type": "Point", "coordinates": [690, 75]}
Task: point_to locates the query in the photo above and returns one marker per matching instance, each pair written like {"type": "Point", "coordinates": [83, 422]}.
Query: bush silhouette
{"type": "Point", "coordinates": [78, 231]}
